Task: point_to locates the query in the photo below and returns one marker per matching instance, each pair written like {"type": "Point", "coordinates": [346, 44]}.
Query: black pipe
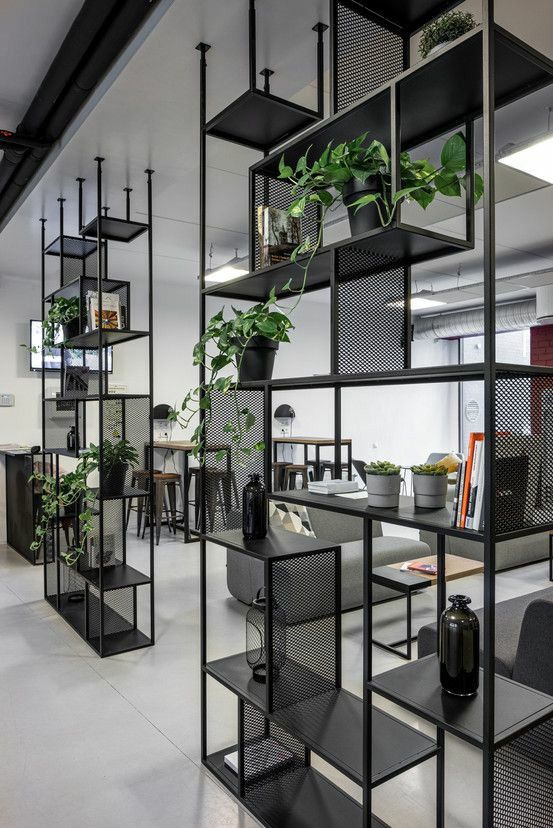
{"type": "Point", "coordinates": [97, 36]}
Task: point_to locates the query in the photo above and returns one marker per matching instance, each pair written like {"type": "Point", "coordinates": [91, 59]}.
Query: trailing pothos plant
{"type": "Point", "coordinates": [61, 312]}
{"type": "Point", "coordinates": [74, 490]}
{"type": "Point", "coordinates": [322, 182]}
{"type": "Point", "coordinates": [221, 350]}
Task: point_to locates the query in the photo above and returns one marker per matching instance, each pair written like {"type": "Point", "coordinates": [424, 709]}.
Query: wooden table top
{"type": "Point", "coordinates": [311, 441]}
{"type": "Point", "coordinates": [186, 445]}
{"type": "Point", "coordinates": [455, 567]}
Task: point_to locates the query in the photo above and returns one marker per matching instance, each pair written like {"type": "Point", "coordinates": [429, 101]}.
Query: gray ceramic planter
{"type": "Point", "coordinates": [383, 490]}
{"type": "Point", "coordinates": [430, 490]}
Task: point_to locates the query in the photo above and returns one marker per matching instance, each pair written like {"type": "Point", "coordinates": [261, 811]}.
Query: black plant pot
{"type": "Point", "coordinates": [367, 218]}
{"type": "Point", "coordinates": [459, 648]}
{"type": "Point", "coordinates": [114, 480]}
{"type": "Point", "coordinates": [258, 359]}
{"type": "Point", "coordinates": [70, 329]}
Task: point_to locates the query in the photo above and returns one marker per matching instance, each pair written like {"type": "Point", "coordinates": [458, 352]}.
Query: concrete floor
{"type": "Point", "coordinates": [115, 742]}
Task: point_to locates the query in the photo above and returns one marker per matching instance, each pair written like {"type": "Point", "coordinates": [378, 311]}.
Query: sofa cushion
{"type": "Point", "coordinates": [509, 616]}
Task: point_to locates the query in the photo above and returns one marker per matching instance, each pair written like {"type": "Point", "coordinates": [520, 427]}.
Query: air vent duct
{"type": "Point", "coordinates": [514, 316]}
{"type": "Point", "coordinates": [544, 303]}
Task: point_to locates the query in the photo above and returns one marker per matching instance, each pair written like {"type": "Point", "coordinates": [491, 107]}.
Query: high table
{"type": "Point", "coordinates": [186, 447]}
{"type": "Point", "coordinates": [317, 443]}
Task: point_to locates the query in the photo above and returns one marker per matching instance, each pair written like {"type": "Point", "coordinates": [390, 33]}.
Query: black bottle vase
{"type": "Point", "coordinates": [459, 648]}
{"type": "Point", "coordinates": [254, 509]}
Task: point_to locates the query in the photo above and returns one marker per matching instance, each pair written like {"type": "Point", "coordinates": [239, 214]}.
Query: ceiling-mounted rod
{"type": "Point", "coordinates": [266, 74]}
{"type": "Point", "coordinates": [60, 202]}
{"type": "Point", "coordinates": [252, 45]}
{"type": "Point", "coordinates": [128, 191]}
{"type": "Point", "coordinates": [81, 182]}
{"type": "Point", "coordinates": [320, 28]}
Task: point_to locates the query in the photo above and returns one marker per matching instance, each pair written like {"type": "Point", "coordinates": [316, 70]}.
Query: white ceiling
{"type": "Point", "coordinates": [149, 117]}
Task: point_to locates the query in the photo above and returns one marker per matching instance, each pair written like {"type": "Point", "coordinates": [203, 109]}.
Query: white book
{"type": "Point", "coordinates": [332, 486]}
{"type": "Point", "coordinates": [473, 484]}
{"type": "Point", "coordinates": [111, 310]}
{"type": "Point", "coordinates": [478, 513]}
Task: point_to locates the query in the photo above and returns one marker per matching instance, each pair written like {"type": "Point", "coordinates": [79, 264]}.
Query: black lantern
{"type": "Point", "coordinates": [256, 644]}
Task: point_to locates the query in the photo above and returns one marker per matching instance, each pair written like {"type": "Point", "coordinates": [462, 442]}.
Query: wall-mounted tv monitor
{"type": "Point", "coordinates": [52, 359]}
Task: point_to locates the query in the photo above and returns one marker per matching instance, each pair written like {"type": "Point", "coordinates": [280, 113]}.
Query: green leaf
{"type": "Point", "coordinates": [478, 185]}
{"type": "Point", "coordinates": [250, 421]}
{"type": "Point", "coordinates": [423, 196]}
{"type": "Point", "coordinates": [448, 185]}
{"type": "Point", "coordinates": [454, 153]}
{"type": "Point", "coordinates": [284, 170]}
{"type": "Point", "coordinates": [363, 200]}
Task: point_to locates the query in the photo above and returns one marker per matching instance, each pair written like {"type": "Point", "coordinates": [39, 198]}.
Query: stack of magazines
{"type": "Point", "coordinates": [468, 512]}
{"type": "Point", "coordinates": [330, 487]}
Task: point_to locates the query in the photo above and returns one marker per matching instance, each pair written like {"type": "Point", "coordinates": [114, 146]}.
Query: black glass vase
{"type": "Point", "coordinates": [459, 648]}
{"type": "Point", "coordinates": [254, 509]}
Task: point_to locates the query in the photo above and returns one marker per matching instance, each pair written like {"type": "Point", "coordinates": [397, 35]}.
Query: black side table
{"type": "Point", "coordinates": [405, 583]}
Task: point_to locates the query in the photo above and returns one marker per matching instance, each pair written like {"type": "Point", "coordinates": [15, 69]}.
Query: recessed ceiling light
{"type": "Point", "coordinates": [418, 301]}
{"type": "Point", "coordinates": [533, 157]}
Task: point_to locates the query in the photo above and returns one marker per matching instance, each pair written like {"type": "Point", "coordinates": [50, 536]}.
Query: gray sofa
{"type": "Point", "coordinates": [523, 639]}
{"type": "Point", "coordinates": [508, 553]}
{"type": "Point", "coordinates": [245, 574]}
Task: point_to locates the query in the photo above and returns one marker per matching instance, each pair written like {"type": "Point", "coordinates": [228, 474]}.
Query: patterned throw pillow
{"type": "Point", "coordinates": [291, 517]}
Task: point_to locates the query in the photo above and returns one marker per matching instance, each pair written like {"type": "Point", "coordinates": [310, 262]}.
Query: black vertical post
{"type": "Point", "coordinates": [43, 380]}
{"type": "Point", "coordinates": [252, 44]}
{"type": "Point", "coordinates": [334, 317]}
{"type": "Point", "coordinates": [320, 28]}
{"type": "Point", "coordinates": [367, 671]}
{"type": "Point", "coordinates": [100, 345]}
{"type": "Point", "coordinates": [241, 779]}
{"type": "Point", "coordinates": [268, 435]}
{"type": "Point", "coordinates": [62, 263]}
{"type": "Point", "coordinates": [337, 431]}
{"type": "Point", "coordinates": [149, 173]}
{"type": "Point", "coordinates": [105, 211]}
{"type": "Point", "coordinates": [407, 320]}
{"type": "Point", "coordinates": [202, 48]}
{"type": "Point", "coordinates": [489, 408]}
{"type": "Point", "coordinates": [81, 181]}
{"type": "Point", "coordinates": [440, 734]}
{"type": "Point", "coordinates": [128, 191]}
{"type": "Point", "coordinates": [333, 17]}
{"type": "Point", "coordinates": [469, 191]}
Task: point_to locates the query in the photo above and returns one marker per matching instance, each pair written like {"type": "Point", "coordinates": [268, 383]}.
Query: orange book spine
{"type": "Point", "coordinates": [474, 436]}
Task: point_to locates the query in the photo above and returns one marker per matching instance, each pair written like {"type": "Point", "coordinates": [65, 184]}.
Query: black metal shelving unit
{"type": "Point", "coordinates": [99, 594]}
{"type": "Point", "coordinates": [375, 89]}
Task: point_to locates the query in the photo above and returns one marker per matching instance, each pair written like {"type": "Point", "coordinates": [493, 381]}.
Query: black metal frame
{"type": "Point", "coordinates": [490, 92]}
{"type": "Point", "coordinates": [100, 624]}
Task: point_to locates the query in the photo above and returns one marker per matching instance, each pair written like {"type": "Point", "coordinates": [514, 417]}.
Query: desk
{"type": "Point", "coordinates": [317, 443]}
{"type": "Point", "coordinates": [22, 500]}
{"type": "Point", "coordinates": [186, 447]}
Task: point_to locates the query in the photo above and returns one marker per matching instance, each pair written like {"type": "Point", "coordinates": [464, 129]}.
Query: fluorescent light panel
{"type": "Point", "coordinates": [417, 303]}
{"type": "Point", "coordinates": [534, 158]}
{"type": "Point", "coordinates": [226, 273]}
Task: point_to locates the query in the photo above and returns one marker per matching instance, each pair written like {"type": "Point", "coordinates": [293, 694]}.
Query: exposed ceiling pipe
{"type": "Point", "coordinates": [514, 316]}
{"type": "Point", "coordinates": [96, 37]}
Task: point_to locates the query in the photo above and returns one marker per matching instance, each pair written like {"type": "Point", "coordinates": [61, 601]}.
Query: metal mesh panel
{"type": "Point", "coordinates": [370, 314]}
{"type": "Point", "coordinates": [523, 780]}
{"type": "Point", "coordinates": [73, 267]}
{"type": "Point", "coordinates": [59, 416]}
{"type": "Point", "coordinates": [118, 612]}
{"type": "Point", "coordinates": [51, 580]}
{"type": "Point", "coordinates": [304, 592]}
{"type": "Point", "coordinates": [71, 583]}
{"type": "Point", "coordinates": [225, 479]}
{"type": "Point", "coordinates": [129, 419]}
{"type": "Point", "coordinates": [78, 382]}
{"type": "Point", "coordinates": [269, 192]}
{"type": "Point", "coordinates": [368, 55]}
{"type": "Point", "coordinates": [110, 546]}
{"type": "Point", "coordinates": [121, 289]}
{"type": "Point", "coordinates": [524, 452]}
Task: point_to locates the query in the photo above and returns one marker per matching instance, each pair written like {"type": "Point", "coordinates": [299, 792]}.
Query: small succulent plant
{"type": "Point", "coordinates": [446, 28]}
{"type": "Point", "coordinates": [429, 468]}
{"type": "Point", "coordinates": [382, 467]}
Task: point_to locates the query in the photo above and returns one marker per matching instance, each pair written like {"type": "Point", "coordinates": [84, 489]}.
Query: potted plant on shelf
{"type": "Point", "coordinates": [244, 350]}
{"type": "Point", "coordinates": [448, 27]}
{"type": "Point", "coordinates": [430, 485]}
{"type": "Point", "coordinates": [383, 484]}
{"type": "Point", "coordinates": [74, 491]}
{"type": "Point", "coordinates": [64, 314]}
{"type": "Point", "coordinates": [360, 175]}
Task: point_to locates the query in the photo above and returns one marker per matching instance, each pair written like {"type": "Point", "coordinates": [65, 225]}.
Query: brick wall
{"type": "Point", "coordinates": [541, 345]}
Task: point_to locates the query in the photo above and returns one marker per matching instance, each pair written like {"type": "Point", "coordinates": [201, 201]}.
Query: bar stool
{"type": "Point", "coordinates": [291, 472]}
{"type": "Point", "coordinates": [279, 468]}
{"type": "Point", "coordinates": [140, 479]}
{"type": "Point", "coordinates": [328, 466]}
{"type": "Point", "coordinates": [219, 488]}
{"type": "Point", "coordinates": [165, 483]}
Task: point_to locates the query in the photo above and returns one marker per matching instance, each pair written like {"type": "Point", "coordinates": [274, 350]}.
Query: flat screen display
{"type": "Point", "coordinates": [52, 359]}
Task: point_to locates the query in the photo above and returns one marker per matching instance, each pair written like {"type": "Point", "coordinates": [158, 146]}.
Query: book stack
{"type": "Point", "coordinates": [468, 512]}
{"type": "Point", "coordinates": [330, 487]}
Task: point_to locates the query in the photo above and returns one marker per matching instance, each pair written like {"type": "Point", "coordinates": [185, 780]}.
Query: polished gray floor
{"type": "Point", "coordinates": [115, 742]}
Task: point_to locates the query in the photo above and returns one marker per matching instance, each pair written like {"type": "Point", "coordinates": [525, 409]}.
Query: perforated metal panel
{"type": "Point", "coordinates": [524, 451]}
{"type": "Point", "coordinates": [112, 542]}
{"type": "Point", "coordinates": [304, 592]}
{"type": "Point", "coordinates": [118, 612]}
{"type": "Point", "coordinates": [59, 417]}
{"type": "Point", "coordinates": [523, 780]}
{"type": "Point", "coordinates": [269, 192]}
{"type": "Point", "coordinates": [225, 479]}
{"type": "Point", "coordinates": [371, 314]}
{"type": "Point", "coordinates": [72, 268]}
{"type": "Point", "coordinates": [368, 55]}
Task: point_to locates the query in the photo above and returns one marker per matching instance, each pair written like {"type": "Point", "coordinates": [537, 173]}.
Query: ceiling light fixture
{"type": "Point", "coordinates": [235, 267]}
{"type": "Point", "coordinates": [418, 301]}
{"type": "Point", "coordinates": [534, 157]}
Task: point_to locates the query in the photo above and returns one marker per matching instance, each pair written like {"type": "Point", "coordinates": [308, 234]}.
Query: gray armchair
{"type": "Point", "coordinates": [245, 574]}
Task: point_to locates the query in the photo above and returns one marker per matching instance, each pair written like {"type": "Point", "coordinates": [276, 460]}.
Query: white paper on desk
{"type": "Point", "coordinates": [354, 495]}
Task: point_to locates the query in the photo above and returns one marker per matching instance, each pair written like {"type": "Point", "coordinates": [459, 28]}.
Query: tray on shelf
{"type": "Point", "coordinates": [278, 543]}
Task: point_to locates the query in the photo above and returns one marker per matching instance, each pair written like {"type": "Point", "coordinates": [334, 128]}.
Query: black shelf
{"type": "Point", "coordinates": [215, 762]}
{"type": "Point", "coordinates": [260, 120]}
{"type": "Point", "coordinates": [416, 687]}
{"type": "Point", "coordinates": [440, 93]}
{"type": "Point", "coordinates": [63, 452]}
{"type": "Point", "coordinates": [277, 544]}
{"type": "Point", "coordinates": [73, 288]}
{"type": "Point", "coordinates": [96, 397]}
{"type": "Point", "coordinates": [332, 725]}
{"type": "Point", "coordinates": [110, 337]}
{"type": "Point", "coordinates": [128, 491]}
{"type": "Point", "coordinates": [74, 247]}
{"type": "Point", "coordinates": [429, 520]}
{"type": "Point", "coordinates": [399, 244]}
{"type": "Point", "coordinates": [121, 642]}
{"type": "Point", "coordinates": [408, 16]}
{"type": "Point", "coordinates": [114, 229]}
{"type": "Point", "coordinates": [115, 577]}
